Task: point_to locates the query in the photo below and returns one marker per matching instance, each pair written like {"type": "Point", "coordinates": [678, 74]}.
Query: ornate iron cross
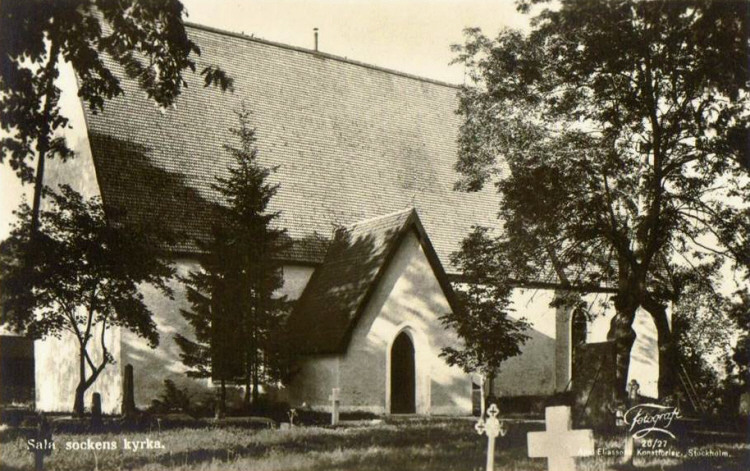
{"type": "Point", "coordinates": [492, 427]}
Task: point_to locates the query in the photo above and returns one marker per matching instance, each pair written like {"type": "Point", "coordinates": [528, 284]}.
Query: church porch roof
{"type": "Point", "coordinates": [338, 291]}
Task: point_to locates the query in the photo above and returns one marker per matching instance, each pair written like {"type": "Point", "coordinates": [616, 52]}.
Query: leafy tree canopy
{"type": "Point", "coordinates": [616, 132]}
{"type": "Point", "coordinates": [489, 335]}
{"type": "Point", "coordinates": [86, 279]}
{"type": "Point", "coordinates": [147, 38]}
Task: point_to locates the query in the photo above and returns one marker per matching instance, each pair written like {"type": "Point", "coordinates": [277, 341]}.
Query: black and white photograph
{"type": "Point", "coordinates": [319, 235]}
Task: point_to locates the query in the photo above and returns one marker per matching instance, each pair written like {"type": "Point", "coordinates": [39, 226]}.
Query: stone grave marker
{"type": "Point", "coordinates": [559, 443]}
{"type": "Point", "coordinates": [96, 410]}
{"type": "Point", "coordinates": [334, 398]}
{"type": "Point", "coordinates": [492, 427]}
{"type": "Point", "coordinates": [593, 385]}
{"type": "Point", "coordinates": [128, 392]}
{"type": "Point", "coordinates": [744, 406]}
{"type": "Point", "coordinates": [633, 390]}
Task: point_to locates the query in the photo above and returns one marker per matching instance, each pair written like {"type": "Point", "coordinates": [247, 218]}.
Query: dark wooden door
{"type": "Point", "coordinates": [403, 381]}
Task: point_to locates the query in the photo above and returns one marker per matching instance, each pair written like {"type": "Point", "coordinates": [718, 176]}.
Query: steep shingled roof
{"type": "Point", "coordinates": [351, 142]}
{"type": "Point", "coordinates": [333, 300]}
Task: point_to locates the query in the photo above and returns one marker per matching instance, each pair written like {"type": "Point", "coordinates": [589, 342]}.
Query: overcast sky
{"type": "Point", "coordinates": [408, 35]}
{"type": "Point", "coordinates": [411, 36]}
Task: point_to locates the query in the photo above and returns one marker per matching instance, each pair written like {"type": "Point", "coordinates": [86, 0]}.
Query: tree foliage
{"type": "Point", "coordinates": [239, 323]}
{"type": "Point", "coordinates": [147, 38]}
{"type": "Point", "coordinates": [490, 336]}
{"type": "Point", "coordinates": [86, 279]}
{"type": "Point", "coordinates": [616, 133]}
{"type": "Point", "coordinates": [739, 313]}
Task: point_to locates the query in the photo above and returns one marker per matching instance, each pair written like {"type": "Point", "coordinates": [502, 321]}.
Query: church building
{"type": "Point", "coordinates": [365, 159]}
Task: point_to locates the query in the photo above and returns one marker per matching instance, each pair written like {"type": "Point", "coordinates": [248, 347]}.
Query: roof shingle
{"type": "Point", "coordinates": [351, 142]}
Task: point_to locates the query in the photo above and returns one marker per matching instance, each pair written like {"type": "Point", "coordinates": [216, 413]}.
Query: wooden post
{"type": "Point", "coordinates": [334, 398]}
{"type": "Point", "coordinates": [96, 410]}
{"type": "Point", "coordinates": [44, 436]}
{"type": "Point", "coordinates": [492, 427]}
{"type": "Point", "coordinates": [128, 392]}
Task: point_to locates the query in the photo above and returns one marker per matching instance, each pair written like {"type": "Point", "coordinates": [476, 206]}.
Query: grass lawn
{"type": "Point", "coordinates": [437, 444]}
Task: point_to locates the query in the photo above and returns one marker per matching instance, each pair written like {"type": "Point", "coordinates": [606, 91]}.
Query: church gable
{"type": "Point", "coordinates": [341, 287]}
{"type": "Point", "coordinates": [389, 359]}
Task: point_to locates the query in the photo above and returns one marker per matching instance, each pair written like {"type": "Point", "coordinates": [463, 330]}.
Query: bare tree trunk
{"type": "Point", "coordinates": [256, 391]}
{"type": "Point", "coordinates": [622, 333]}
{"type": "Point", "coordinates": [78, 405]}
{"type": "Point", "coordinates": [248, 376]}
{"type": "Point", "coordinates": [43, 141]}
{"type": "Point", "coordinates": [481, 398]}
{"type": "Point", "coordinates": [221, 405]}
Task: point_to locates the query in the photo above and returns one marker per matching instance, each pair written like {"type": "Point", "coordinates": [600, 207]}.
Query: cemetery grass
{"type": "Point", "coordinates": [436, 444]}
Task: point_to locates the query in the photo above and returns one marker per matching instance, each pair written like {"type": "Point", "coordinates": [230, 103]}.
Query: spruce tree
{"type": "Point", "coordinates": [238, 321]}
{"type": "Point", "coordinates": [211, 355]}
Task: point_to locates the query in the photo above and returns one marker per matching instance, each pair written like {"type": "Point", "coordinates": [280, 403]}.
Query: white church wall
{"type": "Point", "coordinates": [600, 306]}
{"type": "Point", "coordinates": [79, 171]}
{"type": "Point", "coordinates": [295, 280]}
{"type": "Point", "coordinates": [313, 381]}
{"type": "Point", "coordinates": [644, 356]}
{"type": "Point", "coordinates": [532, 373]}
{"type": "Point", "coordinates": [151, 366]}
{"type": "Point", "coordinates": [56, 373]}
{"type": "Point", "coordinates": [409, 298]}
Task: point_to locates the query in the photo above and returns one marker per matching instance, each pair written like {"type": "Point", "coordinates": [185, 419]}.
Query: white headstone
{"type": "Point", "coordinates": [559, 443]}
{"type": "Point", "coordinates": [492, 427]}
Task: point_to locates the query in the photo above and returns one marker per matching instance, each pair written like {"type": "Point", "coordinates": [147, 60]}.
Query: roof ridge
{"type": "Point", "coordinates": [382, 216]}
{"type": "Point", "coordinates": [326, 55]}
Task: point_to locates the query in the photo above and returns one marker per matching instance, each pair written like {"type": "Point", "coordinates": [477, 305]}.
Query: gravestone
{"type": "Point", "coordinates": [128, 392]}
{"type": "Point", "coordinates": [334, 398]}
{"type": "Point", "coordinates": [96, 410]}
{"type": "Point", "coordinates": [559, 443]}
{"type": "Point", "coordinates": [744, 406]}
{"type": "Point", "coordinates": [492, 427]}
{"type": "Point", "coordinates": [593, 385]}
{"type": "Point", "coordinates": [633, 390]}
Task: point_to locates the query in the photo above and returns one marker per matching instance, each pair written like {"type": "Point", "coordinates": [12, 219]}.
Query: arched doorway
{"type": "Point", "coordinates": [403, 377]}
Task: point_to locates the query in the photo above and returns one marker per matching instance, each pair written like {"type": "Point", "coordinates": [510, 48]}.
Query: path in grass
{"type": "Point", "coordinates": [449, 444]}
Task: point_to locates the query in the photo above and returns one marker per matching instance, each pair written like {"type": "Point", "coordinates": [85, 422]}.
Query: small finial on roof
{"type": "Point", "coordinates": [316, 39]}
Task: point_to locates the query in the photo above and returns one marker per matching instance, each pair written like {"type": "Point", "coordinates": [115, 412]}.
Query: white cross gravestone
{"type": "Point", "coordinates": [559, 443]}
{"type": "Point", "coordinates": [334, 398]}
{"type": "Point", "coordinates": [492, 427]}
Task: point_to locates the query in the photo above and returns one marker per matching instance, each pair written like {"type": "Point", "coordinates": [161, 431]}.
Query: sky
{"type": "Point", "coordinates": [412, 36]}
